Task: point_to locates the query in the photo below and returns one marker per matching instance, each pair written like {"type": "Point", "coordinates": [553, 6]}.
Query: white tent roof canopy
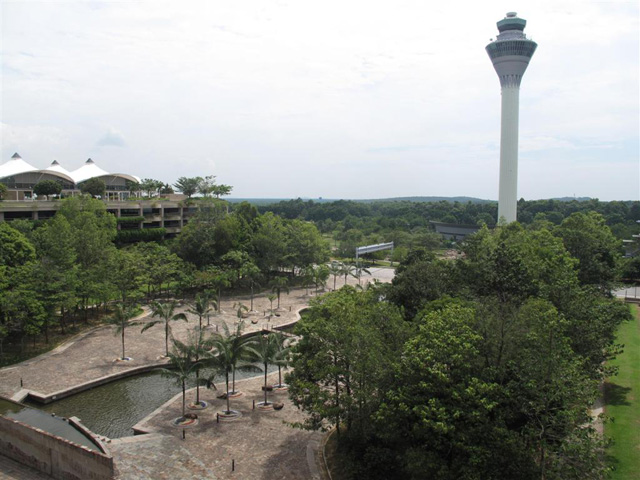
{"type": "Point", "coordinates": [14, 166]}
{"type": "Point", "coordinates": [89, 170]}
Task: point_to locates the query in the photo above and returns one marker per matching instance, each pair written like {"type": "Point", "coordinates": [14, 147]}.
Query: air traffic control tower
{"type": "Point", "coordinates": [510, 54]}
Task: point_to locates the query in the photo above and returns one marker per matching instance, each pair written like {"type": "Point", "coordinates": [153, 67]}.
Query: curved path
{"type": "Point", "coordinates": [261, 444]}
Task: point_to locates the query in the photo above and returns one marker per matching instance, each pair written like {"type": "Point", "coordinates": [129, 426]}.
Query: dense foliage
{"type": "Point", "coordinates": [58, 271]}
{"type": "Point", "coordinates": [492, 371]}
{"type": "Point", "coordinates": [384, 216]}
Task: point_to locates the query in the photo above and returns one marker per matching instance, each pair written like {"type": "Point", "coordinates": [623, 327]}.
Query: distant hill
{"type": "Point", "coordinates": [429, 199]}
{"type": "Point", "coordinates": [268, 201]}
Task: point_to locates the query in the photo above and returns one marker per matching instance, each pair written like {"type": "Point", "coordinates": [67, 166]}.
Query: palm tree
{"type": "Point", "coordinates": [346, 271]}
{"type": "Point", "coordinates": [221, 280]}
{"type": "Point", "coordinates": [283, 355]}
{"type": "Point", "coordinates": [359, 270]}
{"type": "Point", "coordinates": [307, 278]}
{"type": "Point", "coordinates": [320, 276]}
{"type": "Point", "coordinates": [271, 298]}
{"type": "Point", "coordinates": [200, 351]}
{"type": "Point", "coordinates": [121, 317]}
{"type": "Point", "coordinates": [279, 284]}
{"type": "Point", "coordinates": [165, 312]}
{"type": "Point", "coordinates": [183, 366]}
{"type": "Point", "coordinates": [251, 274]}
{"type": "Point", "coordinates": [335, 269]}
{"type": "Point", "coordinates": [265, 352]}
{"type": "Point", "coordinates": [232, 352]}
{"type": "Point", "coordinates": [241, 308]}
{"type": "Point", "coordinates": [201, 307]}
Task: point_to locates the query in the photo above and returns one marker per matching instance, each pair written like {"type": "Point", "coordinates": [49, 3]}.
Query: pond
{"type": "Point", "coordinates": [113, 409]}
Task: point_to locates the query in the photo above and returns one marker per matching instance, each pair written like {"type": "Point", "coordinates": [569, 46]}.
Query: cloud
{"type": "Point", "coordinates": [113, 138]}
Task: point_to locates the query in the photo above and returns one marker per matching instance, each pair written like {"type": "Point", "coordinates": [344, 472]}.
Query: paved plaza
{"type": "Point", "coordinates": [262, 444]}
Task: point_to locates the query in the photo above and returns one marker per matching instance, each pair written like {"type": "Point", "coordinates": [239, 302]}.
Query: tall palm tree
{"type": "Point", "coordinates": [335, 269]}
{"type": "Point", "coordinates": [279, 284]}
{"type": "Point", "coordinates": [283, 355]}
{"type": "Point", "coordinates": [347, 270]}
{"type": "Point", "coordinates": [232, 353]}
{"type": "Point", "coordinates": [271, 298]}
{"type": "Point", "coordinates": [165, 312]}
{"type": "Point", "coordinates": [201, 307]}
{"type": "Point", "coordinates": [359, 270]}
{"type": "Point", "coordinates": [221, 280]}
{"type": "Point", "coordinates": [200, 350]}
{"type": "Point", "coordinates": [183, 367]}
{"type": "Point", "coordinates": [265, 349]}
{"type": "Point", "coordinates": [320, 276]}
{"type": "Point", "coordinates": [120, 319]}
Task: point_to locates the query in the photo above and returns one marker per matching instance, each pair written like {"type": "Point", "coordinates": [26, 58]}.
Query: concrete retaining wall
{"type": "Point", "coordinates": [52, 455]}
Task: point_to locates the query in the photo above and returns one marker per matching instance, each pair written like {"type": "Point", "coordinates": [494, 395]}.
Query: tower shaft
{"type": "Point", "coordinates": [508, 191]}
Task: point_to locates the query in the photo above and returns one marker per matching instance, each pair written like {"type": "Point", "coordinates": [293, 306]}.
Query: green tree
{"type": "Point", "coordinates": [122, 315]}
{"type": "Point", "coordinates": [305, 245]}
{"type": "Point", "coordinates": [94, 187]}
{"type": "Point", "coordinates": [188, 186]}
{"type": "Point", "coordinates": [3, 191]}
{"type": "Point", "coordinates": [232, 352]}
{"type": "Point", "coordinates": [15, 247]}
{"type": "Point", "coordinates": [47, 187]}
{"type": "Point", "coordinates": [320, 276]}
{"type": "Point", "coordinates": [589, 239]}
{"type": "Point", "coordinates": [201, 307]}
{"type": "Point", "coordinates": [268, 243]}
{"type": "Point", "coordinates": [166, 313]}
{"type": "Point", "coordinates": [265, 349]}
{"type": "Point", "coordinates": [92, 230]}
{"type": "Point", "coordinates": [150, 186]}
{"type": "Point", "coordinates": [437, 411]}
{"type": "Point", "coordinates": [221, 190]}
{"type": "Point", "coordinates": [278, 285]}
{"type": "Point", "coordinates": [197, 243]}
{"type": "Point", "coordinates": [56, 271]}
{"type": "Point", "coordinates": [183, 366]}
{"type": "Point", "coordinates": [126, 272]}
{"type": "Point", "coordinates": [343, 359]}
{"type": "Point", "coordinates": [335, 269]}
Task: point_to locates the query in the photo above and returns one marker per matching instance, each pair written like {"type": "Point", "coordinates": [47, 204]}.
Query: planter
{"type": "Point", "coordinates": [185, 422]}
{"type": "Point", "coordinates": [201, 405]}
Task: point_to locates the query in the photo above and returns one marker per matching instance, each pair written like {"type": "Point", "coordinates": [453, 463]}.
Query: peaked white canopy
{"type": "Point", "coordinates": [87, 171]}
{"type": "Point", "coordinates": [14, 166]}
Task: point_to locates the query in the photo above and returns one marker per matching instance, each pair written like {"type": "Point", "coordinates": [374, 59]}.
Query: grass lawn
{"type": "Point", "coordinates": [622, 403]}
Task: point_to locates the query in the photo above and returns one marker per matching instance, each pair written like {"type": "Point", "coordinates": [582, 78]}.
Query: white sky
{"type": "Point", "coordinates": [339, 99]}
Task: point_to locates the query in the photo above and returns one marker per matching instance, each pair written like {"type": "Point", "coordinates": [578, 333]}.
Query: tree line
{"type": "Point", "coordinates": [63, 270]}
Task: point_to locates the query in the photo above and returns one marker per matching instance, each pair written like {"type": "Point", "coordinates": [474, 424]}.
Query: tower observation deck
{"type": "Point", "coordinates": [510, 53]}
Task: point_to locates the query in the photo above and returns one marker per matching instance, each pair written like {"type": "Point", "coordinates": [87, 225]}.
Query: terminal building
{"type": "Point", "coordinates": [20, 178]}
{"type": "Point", "coordinates": [133, 212]}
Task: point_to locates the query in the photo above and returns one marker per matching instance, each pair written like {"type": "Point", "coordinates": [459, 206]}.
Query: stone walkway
{"type": "Point", "coordinates": [262, 445]}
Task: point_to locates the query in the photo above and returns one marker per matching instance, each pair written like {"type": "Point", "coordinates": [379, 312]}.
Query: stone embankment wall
{"type": "Point", "coordinates": [52, 455]}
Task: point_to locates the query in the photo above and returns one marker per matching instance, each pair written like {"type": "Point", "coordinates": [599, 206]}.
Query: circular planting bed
{"type": "Point", "coordinates": [124, 359]}
{"type": "Point", "coordinates": [229, 414]}
{"type": "Point", "coordinates": [264, 407]}
{"type": "Point", "coordinates": [269, 406]}
{"type": "Point", "coordinates": [281, 388]}
{"type": "Point", "coordinates": [184, 422]}
{"type": "Point", "coordinates": [201, 405]}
